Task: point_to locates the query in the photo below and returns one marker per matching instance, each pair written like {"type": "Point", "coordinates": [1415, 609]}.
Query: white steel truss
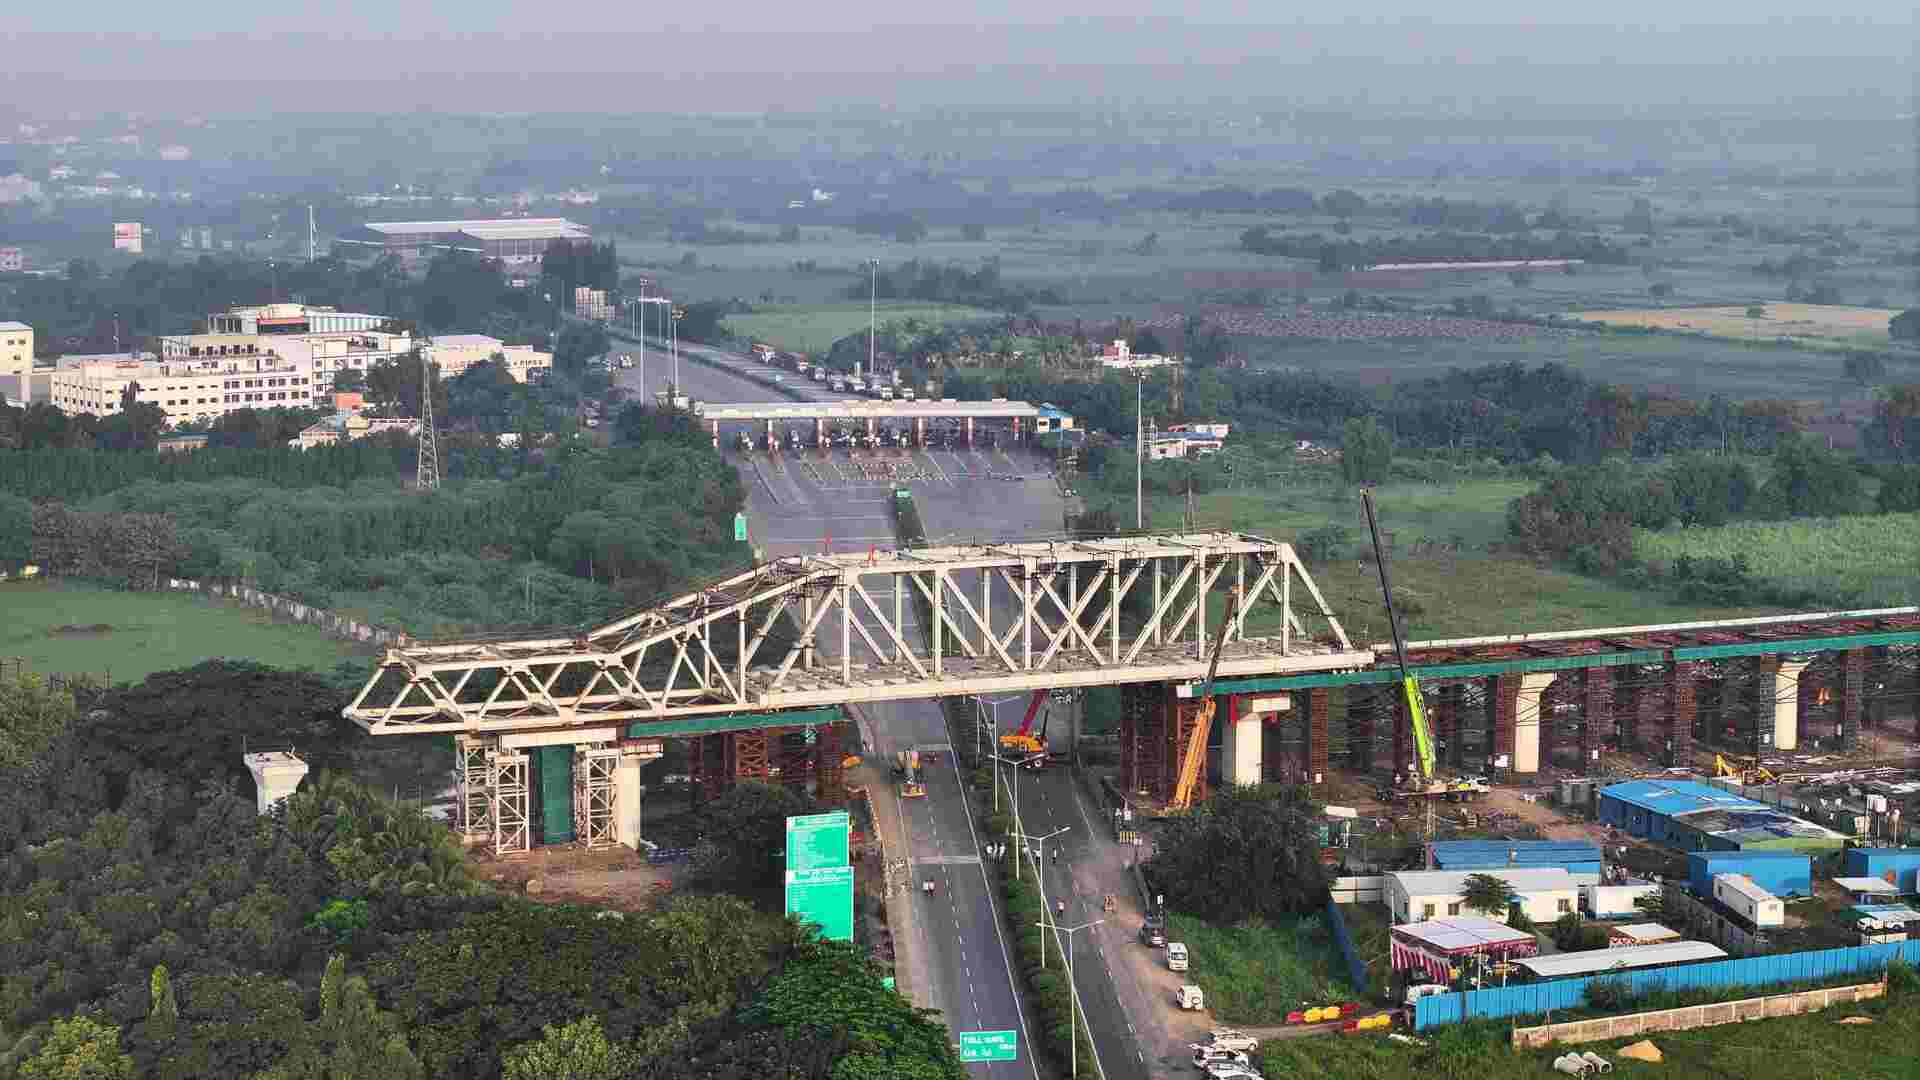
{"type": "Point", "coordinates": [507, 794]}
{"type": "Point", "coordinates": [1087, 612]}
{"type": "Point", "coordinates": [475, 781]}
{"type": "Point", "coordinates": [594, 796]}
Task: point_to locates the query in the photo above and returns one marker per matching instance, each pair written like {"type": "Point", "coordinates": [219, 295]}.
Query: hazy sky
{"type": "Point", "coordinates": [492, 55]}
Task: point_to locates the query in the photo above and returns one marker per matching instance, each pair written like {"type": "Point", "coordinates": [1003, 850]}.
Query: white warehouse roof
{"type": "Point", "coordinates": [1523, 880]}
{"type": "Point", "coordinates": [484, 228]}
{"type": "Point", "coordinates": [1561, 965]}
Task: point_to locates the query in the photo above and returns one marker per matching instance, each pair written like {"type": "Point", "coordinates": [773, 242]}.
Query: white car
{"type": "Point", "coordinates": [1228, 1039]}
{"type": "Point", "coordinates": [1232, 1072]}
{"type": "Point", "coordinates": [1209, 1056]}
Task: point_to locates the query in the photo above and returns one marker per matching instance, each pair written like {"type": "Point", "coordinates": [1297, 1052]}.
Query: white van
{"type": "Point", "coordinates": [1176, 956]}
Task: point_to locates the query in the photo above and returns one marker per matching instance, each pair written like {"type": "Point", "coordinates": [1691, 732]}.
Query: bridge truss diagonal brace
{"type": "Point", "coordinates": [1083, 613]}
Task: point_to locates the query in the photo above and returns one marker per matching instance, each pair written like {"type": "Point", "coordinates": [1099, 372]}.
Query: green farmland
{"type": "Point", "coordinates": [813, 328]}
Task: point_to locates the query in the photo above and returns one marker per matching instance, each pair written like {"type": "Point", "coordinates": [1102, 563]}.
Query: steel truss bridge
{"type": "Point", "coordinates": [821, 630]}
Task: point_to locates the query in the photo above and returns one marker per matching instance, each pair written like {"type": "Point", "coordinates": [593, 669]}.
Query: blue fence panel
{"type": "Point", "coordinates": [1758, 972]}
{"type": "Point", "coordinates": [1356, 971]}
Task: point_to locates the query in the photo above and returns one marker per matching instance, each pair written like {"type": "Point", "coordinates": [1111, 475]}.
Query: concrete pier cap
{"type": "Point", "coordinates": [276, 775]}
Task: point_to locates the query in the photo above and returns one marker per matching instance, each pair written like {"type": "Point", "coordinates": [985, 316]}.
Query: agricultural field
{"type": "Point", "coordinates": [1818, 323]}
{"type": "Point", "coordinates": [73, 629]}
{"type": "Point", "coordinates": [1454, 585]}
{"type": "Point", "coordinates": [1867, 559]}
{"type": "Point", "coordinates": [813, 328]}
{"type": "Point", "coordinates": [1810, 1047]}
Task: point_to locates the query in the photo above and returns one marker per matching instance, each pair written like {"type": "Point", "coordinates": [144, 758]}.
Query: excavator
{"type": "Point", "coordinates": [1748, 774]}
{"type": "Point", "coordinates": [1195, 758]}
{"type": "Point", "coordinates": [1426, 784]}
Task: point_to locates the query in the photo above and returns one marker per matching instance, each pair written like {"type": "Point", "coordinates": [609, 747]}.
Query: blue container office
{"type": "Point", "coordinates": [1902, 863]}
{"type": "Point", "coordinates": [1782, 873]}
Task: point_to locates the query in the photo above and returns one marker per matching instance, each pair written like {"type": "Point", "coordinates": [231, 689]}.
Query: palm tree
{"type": "Point", "coordinates": [1487, 894]}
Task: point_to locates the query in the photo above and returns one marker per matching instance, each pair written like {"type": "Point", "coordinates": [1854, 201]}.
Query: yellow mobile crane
{"type": "Point", "coordinates": [1409, 686]}
{"type": "Point", "coordinates": [1196, 756]}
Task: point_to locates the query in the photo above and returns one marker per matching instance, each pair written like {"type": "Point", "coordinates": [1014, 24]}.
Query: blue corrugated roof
{"type": "Point", "coordinates": [1672, 797]}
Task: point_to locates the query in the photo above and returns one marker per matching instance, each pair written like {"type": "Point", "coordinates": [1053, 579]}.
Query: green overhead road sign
{"type": "Point", "coordinates": [816, 841]}
{"type": "Point", "coordinates": [823, 896]}
{"type": "Point", "coordinates": [740, 528]}
{"type": "Point", "coordinates": [989, 1046]}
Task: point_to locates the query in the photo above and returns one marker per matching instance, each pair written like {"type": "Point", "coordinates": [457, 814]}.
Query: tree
{"type": "Point", "coordinates": [579, 342]}
{"type": "Point", "coordinates": [1244, 852]}
{"type": "Point", "coordinates": [1487, 894]}
{"type": "Point", "coordinates": [576, 1051]}
{"type": "Point", "coordinates": [16, 529]}
{"type": "Point", "coordinates": [1366, 451]}
{"type": "Point", "coordinates": [79, 1049]}
{"type": "Point", "coordinates": [349, 380]}
{"type": "Point", "coordinates": [1653, 905]}
{"type": "Point", "coordinates": [163, 1014]}
{"type": "Point", "coordinates": [31, 715]}
{"type": "Point", "coordinates": [742, 833]}
{"type": "Point", "coordinates": [1808, 480]}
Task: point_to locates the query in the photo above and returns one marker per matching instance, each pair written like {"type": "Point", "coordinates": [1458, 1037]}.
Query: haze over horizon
{"type": "Point", "coordinates": [497, 58]}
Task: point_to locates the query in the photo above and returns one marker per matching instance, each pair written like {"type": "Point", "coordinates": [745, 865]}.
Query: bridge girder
{"type": "Point", "coordinates": [664, 662]}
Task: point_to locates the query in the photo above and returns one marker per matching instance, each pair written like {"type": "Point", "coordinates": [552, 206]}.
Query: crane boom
{"type": "Point", "coordinates": [1196, 755]}
{"type": "Point", "coordinates": [1409, 686]}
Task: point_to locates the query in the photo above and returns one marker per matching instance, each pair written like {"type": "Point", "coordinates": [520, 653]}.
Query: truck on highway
{"type": "Point", "coordinates": [857, 385]}
{"type": "Point", "coordinates": [906, 767]}
{"type": "Point", "coordinates": [1176, 956]}
{"type": "Point", "coordinates": [763, 353]}
{"type": "Point", "coordinates": [886, 392]}
{"type": "Point", "coordinates": [838, 384]}
{"type": "Point", "coordinates": [1153, 931]}
{"type": "Point", "coordinates": [1190, 996]}
{"type": "Point", "coordinates": [818, 374]}
{"type": "Point", "coordinates": [626, 360]}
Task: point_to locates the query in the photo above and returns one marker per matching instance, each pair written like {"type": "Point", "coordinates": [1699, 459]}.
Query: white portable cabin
{"type": "Point", "coordinates": [1613, 901]}
{"type": "Point", "coordinates": [1544, 894]}
{"type": "Point", "coordinates": [1748, 900]}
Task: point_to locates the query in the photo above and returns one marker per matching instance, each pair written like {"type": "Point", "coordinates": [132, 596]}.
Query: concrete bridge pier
{"type": "Point", "coordinates": [276, 774]}
{"type": "Point", "coordinates": [1527, 719]}
{"type": "Point", "coordinates": [1786, 704]}
{"type": "Point", "coordinates": [1240, 740]}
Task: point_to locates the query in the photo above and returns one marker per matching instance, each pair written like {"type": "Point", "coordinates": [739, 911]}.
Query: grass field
{"type": "Point", "coordinates": [813, 328]}
{"type": "Point", "coordinates": [1257, 973]}
{"type": "Point", "coordinates": [1819, 322]}
{"type": "Point", "coordinates": [1811, 1047]}
{"type": "Point", "coordinates": [128, 635]}
{"type": "Point", "coordinates": [1465, 594]}
{"type": "Point", "coordinates": [1876, 556]}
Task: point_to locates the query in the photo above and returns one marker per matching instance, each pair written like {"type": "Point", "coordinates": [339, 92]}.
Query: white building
{"type": "Point", "coordinates": [188, 391]}
{"type": "Point", "coordinates": [1119, 356]}
{"type": "Point", "coordinates": [16, 351]}
{"type": "Point", "coordinates": [348, 425]}
{"type": "Point", "coordinates": [290, 319]}
{"type": "Point", "coordinates": [1544, 894]}
{"type": "Point", "coordinates": [455, 353]}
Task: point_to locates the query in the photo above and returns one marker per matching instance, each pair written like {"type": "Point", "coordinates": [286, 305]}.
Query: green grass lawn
{"type": "Point", "coordinates": [1257, 973]}
{"type": "Point", "coordinates": [1811, 1047]}
{"type": "Point", "coordinates": [813, 328]}
{"type": "Point", "coordinates": [128, 635]}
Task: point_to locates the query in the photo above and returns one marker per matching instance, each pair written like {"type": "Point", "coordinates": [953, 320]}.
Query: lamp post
{"type": "Point", "coordinates": [1015, 765]}
{"type": "Point", "coordinates": [1139, 449]}
{"type": "Point", "coordinates": [981, 713]}
{"type": "Point", "coordinates": [873, 305]}
{"type": "Point", "coordinates": [1039, 867]}
{"type": "Point", "coordinates": [1073, 996]}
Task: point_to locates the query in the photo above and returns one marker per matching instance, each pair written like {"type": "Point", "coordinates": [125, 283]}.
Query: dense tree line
{"type": "Point", "coordinates": [1511, 411]}
{"type": "Point", "coordinates": [1334, 254]}
{"type": "Point", "coordinates": [1246, 852]}
{"type": "Point", "coordinates": [951, 283]}
{"type": "Point", "coordinates": [1586, 514]}
{"type": "Point", "coordinates": [154, 924]}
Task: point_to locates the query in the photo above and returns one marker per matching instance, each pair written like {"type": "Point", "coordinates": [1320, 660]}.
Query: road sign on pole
{"type": "Point", "coordinates": [818, 841]}
{"type": "Point", "coordinates": [823, 896]}
{"type": "Point", "coordinates": [989, 1046]}
{"type": "Point", "coordinates": [740, 528]}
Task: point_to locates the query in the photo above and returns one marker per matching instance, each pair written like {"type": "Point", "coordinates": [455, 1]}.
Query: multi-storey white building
{"type": "Point", "coordinates": [455, 353]}
{"type": "Point", "coordinates": [291, 319]}
{"type": "Point", "coordinates": [16, 359]}
{"type": "Point", "coordinates": [187, 390]}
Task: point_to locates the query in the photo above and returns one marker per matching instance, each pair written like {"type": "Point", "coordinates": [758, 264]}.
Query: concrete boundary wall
{"type": "Point", "coordinates": [1695, 1016]}
{"type": "Point", "coordinates": [1359, 890]}
{"type": "Point", "coordinates": [285, 607]}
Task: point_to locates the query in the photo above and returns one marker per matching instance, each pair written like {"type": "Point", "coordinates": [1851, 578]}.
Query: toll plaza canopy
{"type": "Point", "coordinates": [1436, 946]}
{"type": "Point", "coordinates": [943, 408]}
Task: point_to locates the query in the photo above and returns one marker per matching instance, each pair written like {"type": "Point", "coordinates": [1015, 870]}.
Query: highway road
{"type": "Point", "coordinates": [810, 501]}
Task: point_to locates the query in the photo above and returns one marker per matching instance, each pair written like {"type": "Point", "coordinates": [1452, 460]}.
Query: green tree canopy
{"type": "Point", "coordinates": [1487, 894]}
{"type": "Point", "coordinates": [1247, 851]}
{"type": "Point", "coordinates": [79, 1049]}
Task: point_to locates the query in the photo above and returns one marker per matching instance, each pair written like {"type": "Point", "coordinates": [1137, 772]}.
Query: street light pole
{"type": "Point", "coordinates": [998, 761]}
{"type": "Point", "coordinates": [873, 303]}
{"type": "Point", "coordinates": [1073, 998]}
{"type": "Point", "coordinates": [1039, 871]}
{"type": "Point", "coordinates": [1139, 451]}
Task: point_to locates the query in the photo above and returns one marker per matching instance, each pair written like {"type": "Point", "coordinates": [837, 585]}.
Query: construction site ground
{"type": "Point", "coordinates": [614, 878]}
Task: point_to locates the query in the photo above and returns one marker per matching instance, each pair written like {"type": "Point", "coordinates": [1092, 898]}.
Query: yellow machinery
{"type": "Point", "coordinates": [1749, 776]}
{"type": "Point", "coordinates": [1025, 741]}
{"type": "Point", "coordinates": [1195, 758]}
{"type": "Point", "coordinates": [1410, 687]}
{"type": "Point", "coordinates": [906, 766]}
